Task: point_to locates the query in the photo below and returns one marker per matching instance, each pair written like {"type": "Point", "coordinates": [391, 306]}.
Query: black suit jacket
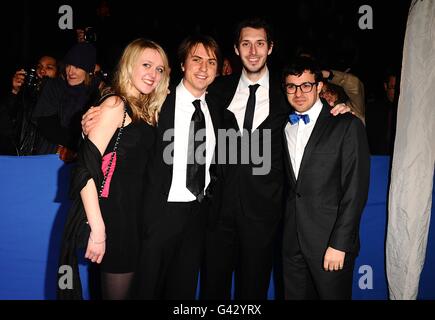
{"type": "Point", "coordinates": [325, 203]}
{"type": "Point", "coordinates": [159, 173]}
{"type": "Point", "coordinates": [261, 196]}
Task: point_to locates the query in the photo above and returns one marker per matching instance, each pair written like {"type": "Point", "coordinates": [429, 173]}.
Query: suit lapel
{"type": "Point", "coordinates": [277, 104]}
{"type": "Point", "coordinates": [215, 119]}
{"type": "Point", "coordinates": [317, 133]}
{"type": "Point", "coordinates": [276, 98]}
{"type": "Point", "coordinates": [230, 88]}
{"type": "Point", "coordinates": [214, 114]}
{"type": "Point", "coordinates": [290, 171]}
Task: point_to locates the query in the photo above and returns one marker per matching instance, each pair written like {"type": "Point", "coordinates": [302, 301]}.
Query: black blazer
{"type": "Point", "coordinates": [261, 196]}
{"type": "Point", "coordinates": [325, 203]}
{"type": "Point", "coordinates": [159, 174]}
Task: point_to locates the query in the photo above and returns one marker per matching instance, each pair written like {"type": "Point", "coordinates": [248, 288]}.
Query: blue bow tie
{"type": "Point", "coordinates": [294, 118]}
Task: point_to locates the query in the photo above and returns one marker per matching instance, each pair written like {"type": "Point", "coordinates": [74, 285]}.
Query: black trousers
{"type": "Point", "coordinates": [305, 279]}
{"type": "Point", "coordinates": [241, 244]}
{"type": "Point", "coordinates": [171, 252]}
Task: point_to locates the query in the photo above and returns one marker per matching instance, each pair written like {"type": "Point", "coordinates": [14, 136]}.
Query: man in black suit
{"type": "Point", "coordinates": [328, 169]}
{"type": "Point", "coordinates": [244, 237]}
{"type": "Point", "coordinates": [252, 202]}
{"type": "Point", "coordinates": [178, 194]}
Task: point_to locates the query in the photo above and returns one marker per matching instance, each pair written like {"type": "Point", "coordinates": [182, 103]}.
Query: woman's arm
{"type": "Point", "coordinates": [112, 111]}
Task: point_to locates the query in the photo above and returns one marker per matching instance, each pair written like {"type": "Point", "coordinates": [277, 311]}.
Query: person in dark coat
{"type": "Point", "coordinates": [64, 99]}
{"type": "Point", "coordinates": [327, 165]}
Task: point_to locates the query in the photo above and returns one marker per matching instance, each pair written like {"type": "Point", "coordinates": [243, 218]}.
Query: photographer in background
{"type": "Point", "coordinates": [17, 133]}
{"type": "Point", "coordinates": [46, 67]}
{"type": "Point", "coordinates": [86, 34]}
{"type": "Point", "coordinates": [89, 35]}
{"type": "Point", "coordinates": [63, 100]}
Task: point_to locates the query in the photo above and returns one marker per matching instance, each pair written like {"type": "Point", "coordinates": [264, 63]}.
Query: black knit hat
{"type": "Point", "coordinates": [82, 55]}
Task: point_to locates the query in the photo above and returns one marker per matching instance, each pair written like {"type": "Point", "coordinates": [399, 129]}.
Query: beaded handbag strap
{"type": "Point", "coordinates": [106, 174]}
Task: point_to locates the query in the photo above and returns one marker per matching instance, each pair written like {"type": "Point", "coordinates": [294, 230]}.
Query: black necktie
{"type": "Point", "coordinates": [195, 173]}
{"type": "Point", "coordinates": [250, 108]}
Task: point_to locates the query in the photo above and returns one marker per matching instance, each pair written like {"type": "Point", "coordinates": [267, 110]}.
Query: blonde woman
{"type": "Point", "coordinates": [139, 89]}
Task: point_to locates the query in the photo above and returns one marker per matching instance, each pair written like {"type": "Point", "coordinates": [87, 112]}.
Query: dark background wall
{"type": "Point", "coordinates": [30, 29]}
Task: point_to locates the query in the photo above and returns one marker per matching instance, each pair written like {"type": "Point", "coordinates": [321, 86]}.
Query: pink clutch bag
{"type": "Point", "coordinates": [104, 166]}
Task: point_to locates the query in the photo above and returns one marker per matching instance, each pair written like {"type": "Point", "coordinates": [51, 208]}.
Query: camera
{"type": "Point", "coordinates": [101, 75]}
{"type": "Point", "coordinates": [90, 35]}
{"type": "Point", "coordinates": [32, 80]}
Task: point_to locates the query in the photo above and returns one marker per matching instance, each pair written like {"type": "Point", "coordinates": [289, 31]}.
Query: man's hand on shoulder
{"type": "Point", "coordinates": [90, 119]}
{"type": "Point", "coordinates": [341, 108]}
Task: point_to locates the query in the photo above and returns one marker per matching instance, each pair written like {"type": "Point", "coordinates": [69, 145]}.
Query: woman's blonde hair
{"type": "Point", "coordinates": [146, 107]}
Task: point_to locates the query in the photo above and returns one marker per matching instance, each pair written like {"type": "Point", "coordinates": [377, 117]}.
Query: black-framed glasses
{"type": "Point", "coordinates": [305, 87]}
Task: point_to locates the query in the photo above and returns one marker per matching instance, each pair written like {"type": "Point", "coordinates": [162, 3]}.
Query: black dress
{"type": "Point", "coordinates": [122, 210]}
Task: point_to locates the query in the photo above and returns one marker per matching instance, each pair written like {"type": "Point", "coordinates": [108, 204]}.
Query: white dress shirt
{"type": "Point", "coordinates": [240, 99]}
{"type": "Point", "coordinates": [298, 135]}
{"type": "Point", "coordinates": [184, 110]}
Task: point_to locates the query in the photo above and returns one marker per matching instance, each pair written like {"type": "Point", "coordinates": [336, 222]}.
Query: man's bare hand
{"type": "Point", "coordinates": [18, 80]}
{"type": "Point", "coordinates": [333, 260]}
{"type": "Point", "coordinates": [90, 119]}
{"type": "Point", "coordinates": [341, 108]}
{"type": "Point", "coordinates": [66, 155]}
{"type": "Point", "coordinates": [80, 33]}
{"type": "Point", "coordinates": [326, 74]}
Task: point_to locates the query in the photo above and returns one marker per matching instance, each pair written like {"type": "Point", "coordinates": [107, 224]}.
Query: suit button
{"type": "Point", "coordinates": [298, 195]}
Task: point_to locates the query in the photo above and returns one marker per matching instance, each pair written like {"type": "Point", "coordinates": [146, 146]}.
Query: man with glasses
{"type": "Point", "coordinates": [327, 170]}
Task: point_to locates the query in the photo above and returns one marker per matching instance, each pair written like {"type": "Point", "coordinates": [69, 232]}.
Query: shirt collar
{"type": "Point", "coordinates": [185, 95]}
{"type": "Point", "coordinates": [263, 81]}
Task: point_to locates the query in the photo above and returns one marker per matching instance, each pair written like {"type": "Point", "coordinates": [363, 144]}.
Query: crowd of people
{"type": "Point", "coordinates": [165, 222]}
{"type": "Point", "coordinates": [42, 112]}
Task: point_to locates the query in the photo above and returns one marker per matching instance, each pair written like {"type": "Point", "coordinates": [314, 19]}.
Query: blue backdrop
{"type": "Point", "coordinates": [34, 204]}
